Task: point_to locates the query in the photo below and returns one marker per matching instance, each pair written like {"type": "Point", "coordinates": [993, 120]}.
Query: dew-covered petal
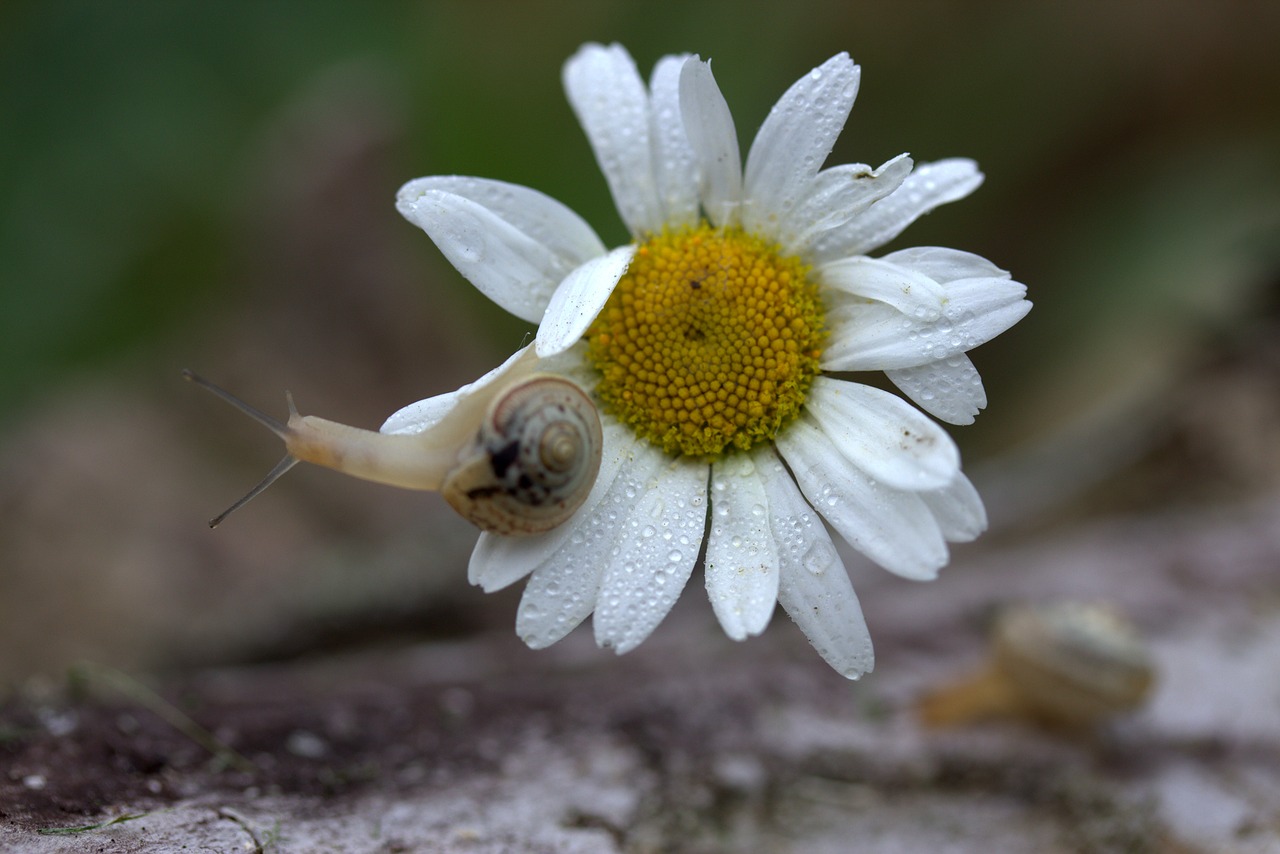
{"type": "Point", "coordinates": [958, 509]}
{"type": "Point", "coordinates": [549, 222]}
{"type": "Point", "coordinates": [945, 265]}
{"type": "Point", "coordinates": [950, 389]}
{"type": "Point", "coordinates": [498, 561]}
{"type": "Point", "coordinates": [711, 132]}
{"type": "Point", "coordinates": [794, 141]}
{"type": "Point", "coordinates": [814, 587]}
{"type": "Point", "coordinates": [564, 589]}
{"type": "Point", "coordinates": [506, 263]}
{"type": "Point", "coordinates": [610, 100]}
{"type": "Point", "coordinates": [579, 299]}
{"type": "Point", "coordinates": [425, 414]}
{"type": "Point", "coordinates": [742, 560]}
{"type": "Point", "coordinates": [674, 165]}
{"type": "Point", "coordinates": [892, 527]}
{"type": "Point", "coordinates": [910, 292]}
{"type": "Point", "coordinates": [883, 435]}
{"type": "Point", "coordinates": [660, 526]}
{"type": "Point", "coordinates": [877, 336]}
{"type": "Point", "coordinates": [930, 185]}
{"type": "Point", "coordinates": [837, 195]}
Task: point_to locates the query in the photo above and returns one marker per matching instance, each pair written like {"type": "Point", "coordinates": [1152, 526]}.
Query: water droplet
{"type": "Point", "coordinates": [819, 556]}
{"type": "Point", "coordinates": [675, 555]}
{"type": "Point", "coordinates": [648, 531]}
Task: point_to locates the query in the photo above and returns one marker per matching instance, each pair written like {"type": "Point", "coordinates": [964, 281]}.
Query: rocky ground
{"type": "Point", "coordinates": [472, 743]}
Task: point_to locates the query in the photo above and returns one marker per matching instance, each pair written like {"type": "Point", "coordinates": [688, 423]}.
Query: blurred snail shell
{"type": "Point", "coordinates": [1068, 664]}
{"type": "Point", "coordinates": [518, 455]}
{"type": "Point", "coordinates": [534, 460]}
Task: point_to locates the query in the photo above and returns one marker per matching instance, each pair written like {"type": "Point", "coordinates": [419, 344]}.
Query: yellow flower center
{"type": "Point", "coordinates": [709, 343]}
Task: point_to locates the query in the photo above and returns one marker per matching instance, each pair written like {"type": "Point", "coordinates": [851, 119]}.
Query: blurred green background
{"type": "Point", "coordinates": [211, 185]}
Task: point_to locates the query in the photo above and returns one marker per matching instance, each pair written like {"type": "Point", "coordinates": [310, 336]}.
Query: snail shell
{"type": "Point", "coordinates": [534, 459]}
{"type": "Point", "coordinates": [1067, 665]}
{"type": "Point", "coordinates": [1073, 663]}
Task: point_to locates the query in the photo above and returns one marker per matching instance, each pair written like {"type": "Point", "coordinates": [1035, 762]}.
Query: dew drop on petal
{"type": "Point", "coordinates": [819, 556]}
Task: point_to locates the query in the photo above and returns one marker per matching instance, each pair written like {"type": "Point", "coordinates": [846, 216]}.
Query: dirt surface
{"type": "Point", "coordinates": [695, 743]}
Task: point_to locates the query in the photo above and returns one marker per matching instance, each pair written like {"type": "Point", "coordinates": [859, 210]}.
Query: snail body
{"type": "Point", "coordinates": [1067, 665]}
{"type": "Point", "coordinates": [517, 456]}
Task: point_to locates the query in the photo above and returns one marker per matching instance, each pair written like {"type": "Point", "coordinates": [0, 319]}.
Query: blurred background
{"type": "Point", "coordinates": [211, 185]}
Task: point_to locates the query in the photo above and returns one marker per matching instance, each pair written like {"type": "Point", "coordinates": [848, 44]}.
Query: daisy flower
{"type": "Point", "coordinates": [711, 344]}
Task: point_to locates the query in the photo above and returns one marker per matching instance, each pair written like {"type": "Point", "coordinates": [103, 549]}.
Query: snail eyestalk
{"type": "Point", "coordinates": [253, 412]}
{"type": "Point", "coordinates": [272, 476]}
{"type": "Point", "coordinates": [261, 417]}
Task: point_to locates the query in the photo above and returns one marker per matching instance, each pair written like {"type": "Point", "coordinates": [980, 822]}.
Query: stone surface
{"type": "Point", "coordinates": [696, 743]}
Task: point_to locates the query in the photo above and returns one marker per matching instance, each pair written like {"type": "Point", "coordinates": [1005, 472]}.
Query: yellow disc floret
{"type": "Point", "coordinates": [709, 343]}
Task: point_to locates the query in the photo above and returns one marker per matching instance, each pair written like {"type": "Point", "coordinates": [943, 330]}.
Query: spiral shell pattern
{"type": "Point", "coordinates": [535, 459]}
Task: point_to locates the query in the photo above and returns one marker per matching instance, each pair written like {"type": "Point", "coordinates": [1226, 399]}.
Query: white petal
{"type": "Point", "coordinates": [499, 561]}
{"type": "Point", "coordinates": [742, 560]}
{"type": "Point", "coordinates": [506, 264]}
{"type": "Point", "coordinates": [674, 164]}
{"type": "Point", "coordinates": [837, 195]}
{"type": "Point", "coordinates": [958, 509]}
{"type": "Point", "coordinates": [893, 528]}
{"type": "Point", "coordinates": [547, 221]}
{"type": "Point", "coordinates": [425, 414]}
{"type": "Point", "coordinates": [912, 293]}
{"type": "Point", "coordinates": [609, 98]}
{"type": "Point", "coordinates": [564, 589]}
{"type": "Point", "coordinates": [883, 435]}
{"type": "Point", "coordinates": [878, 337]}
{"type": "Point", "coordinates": [930, 185]}
{"type": "Point", "coordinates": [950, 390]}
{"type": "Point", "coordinates": [661, 528]}
{"type": "Point", "coordinates": [709, 124]}
{"type": "Point", "coordinates": [945, 265]}
{"type": "Point", "coordinates": [579, 299]}
{"type": "Point", "coordinates": [794, 141]}
{"type": "Point", "coordinates": [814, 587]}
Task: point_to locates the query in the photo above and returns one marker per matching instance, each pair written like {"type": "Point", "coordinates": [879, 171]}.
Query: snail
{"type": "Point", "coordinates": [517, 456]}
{"type": "Point", "coordinates": [1067, 665]}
